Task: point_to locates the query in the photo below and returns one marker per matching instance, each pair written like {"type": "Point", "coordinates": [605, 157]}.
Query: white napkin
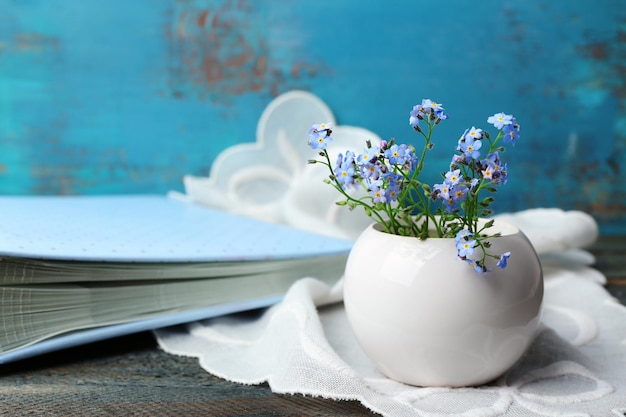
{"type": "Point", "coordinates": [575, 367]}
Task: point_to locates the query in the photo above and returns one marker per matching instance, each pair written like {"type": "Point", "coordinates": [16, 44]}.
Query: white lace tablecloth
{"type": "Point", "coordinates": [303, 345]}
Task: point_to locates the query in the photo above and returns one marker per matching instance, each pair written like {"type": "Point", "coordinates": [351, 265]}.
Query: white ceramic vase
{"type": "Point", "coordinates": [427, 318]}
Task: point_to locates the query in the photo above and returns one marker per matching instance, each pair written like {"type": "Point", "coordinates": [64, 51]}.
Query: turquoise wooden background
{"type": "Point", "coordinates": [124, 96]}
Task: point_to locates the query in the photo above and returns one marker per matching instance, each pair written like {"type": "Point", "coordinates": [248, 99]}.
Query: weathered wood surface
{"type": "Point", "coordinates": [129, 376]}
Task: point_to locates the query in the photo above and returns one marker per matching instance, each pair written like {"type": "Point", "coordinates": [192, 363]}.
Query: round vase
{"type": "Point", "coordinates": [427, 318]}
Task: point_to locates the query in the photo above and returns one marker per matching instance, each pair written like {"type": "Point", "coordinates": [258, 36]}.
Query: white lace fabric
{"type": "Point", "coordinates": [303, 345]}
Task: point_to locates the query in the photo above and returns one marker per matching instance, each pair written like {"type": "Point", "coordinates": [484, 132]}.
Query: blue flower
{"type": "Point", "coordinates": [450, 204]}
{"type": "Point", "coordinates": [475, 265]}
{"type": "Point", "coordinates": [499, 120]}
{"type": "Point", "coordinates": [441, 115]}
{"type": "Point", "coordinates": [415, 115]}
{"type": "Point", "coordinates": [344, 170]}
{"type": "Point", "coordinates": [463, 234]}
{"type": "Point", "coordinates": [369, 155]}
{"type": "Point", "coordinates": [503, 259]}
{"type": "Point", "coordinates": [319, 139]}
{"type": "Point", "coordinates": [504, 175]}
{"type": "Point", "coordinates": [392, 191]}
{"type": "Point", "coordinates": [392, 177]}
{"type": "Point", "coordinates": [396, 154]}
{"type": "Point", "coordinates": [451, 195]}
{"type": "Point", "coordinates": [428, 105]}
{"type": "Point", "coordinates": [459, 193]}
{"type": "Point", "coordinates": [411, 160]}
{"type": "Point", "coordinates": [474, 133]}
{"type": "Point", "coordinates": [488, 173]}
{"type": "Point", "coordinates": [378, 194]}
{"type": "Point", "coordinates": [496, 176]}
{"type": "Point", "coordinates": [470, 148]}
{"type": "Point", "coordinates": [322, 126]}
{"type": "Point", "coordinates": [426, 108]}
{"type": "Point", "coordinates": [492, 169]}
{"type": "Point", "coordinates": [462, 139]}
{"type": "Point", "coordinates": [492, 158]}
{"type": "Point", "coordinates": [453, 177]}
{"type": "Point", "coordinates": [511, 132]}
{"type": "Point", "coordinates": [442, 190]}
{"type": "Point", "coordinates": [465, 247]}
{"type": "Point", "coordinates": [370, 171]}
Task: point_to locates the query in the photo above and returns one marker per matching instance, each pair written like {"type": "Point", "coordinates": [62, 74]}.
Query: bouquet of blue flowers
{"type": "Point", "coordinates": [389, 173]}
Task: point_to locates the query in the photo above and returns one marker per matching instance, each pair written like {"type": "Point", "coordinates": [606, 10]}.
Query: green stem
{"type": "Point", "coordinates": [338, 186]}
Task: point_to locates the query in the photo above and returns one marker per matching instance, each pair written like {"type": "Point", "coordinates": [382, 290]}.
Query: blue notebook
{"type": "Point", "coordinates": [145, 228]}
{"type": "Point", "coordinates": [79, 269]}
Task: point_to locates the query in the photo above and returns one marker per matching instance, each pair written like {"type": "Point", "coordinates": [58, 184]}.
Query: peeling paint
{"type": "Point", "coordinates": [220, 50]}
{"type": "Point", "coordinates": [34, 42]}
{"type": "Point", "coordinates": [605, 80]}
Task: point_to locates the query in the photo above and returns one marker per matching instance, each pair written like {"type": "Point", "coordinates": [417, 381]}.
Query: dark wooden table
{"type": "Point", "coordinates": [130, 376]}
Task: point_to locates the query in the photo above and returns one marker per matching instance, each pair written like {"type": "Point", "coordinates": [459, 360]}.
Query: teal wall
{"type": "Point", "coordinates": [124, 96]}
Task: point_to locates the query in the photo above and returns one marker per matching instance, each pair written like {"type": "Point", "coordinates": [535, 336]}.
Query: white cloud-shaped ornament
{"type": "Point", "coordinates": [271, 180]}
